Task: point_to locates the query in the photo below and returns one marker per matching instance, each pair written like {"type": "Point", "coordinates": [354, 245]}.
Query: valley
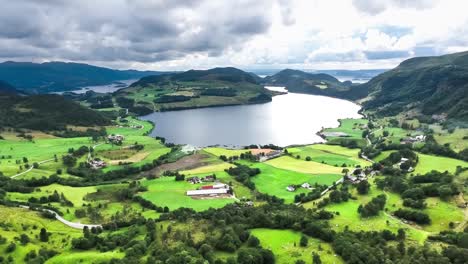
{"type": "Point", "coordinates": [387, 184]}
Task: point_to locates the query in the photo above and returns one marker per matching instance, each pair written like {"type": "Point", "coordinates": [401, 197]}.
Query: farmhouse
{"type": "Point", "coordinates": [97, 164]}
{"type": "Point", "coordinates": [209, 178]}
{"type": "Point", "coordinates": [267, 155]}
{"type": "Point", "coordinates": [290, 188]}
{"type": "Point", "coordinates": [193, 180]}
{"type": "Point", "coordinates": [115, 138]}
{"type": "Point", "coordinates": [411, 140]}
{"type": "Point", "coordinates": [306, 185]}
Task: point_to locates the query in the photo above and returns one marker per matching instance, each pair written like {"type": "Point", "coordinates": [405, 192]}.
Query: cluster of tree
{"type": "Point", "coordinates": [40, 256]}
{"type": "Point", "coordinates": [228, 92]}
{"type": "Point", "coordinates": [94, 134]}
{"type": "Point", "coordinates": [243, 173]}
{"type": "Point", "coordinates": [459, 239]}
{"type": "Point", "coordinates": [415, 216]}
{"type": "Point", "coordinates": [53, 198]}
{"type": "Point", "coordinates": [129, 103]}
{"type": "Point", "coordinates": [79, 152]}
{"type": "Point", "coordinates": [178, 176]}
{"type": "Point", "coordinates": [336, 196]}
{"type": "Point", "coordinates": [99, 102]}
{"type": "Point", "coordinates": [373, 207]}
{"type": "Point", "coordinates": [172, 99]}
{"type": "Point", "coordinates": [432, 147]}
{"type": "Point", "coordinates": [396, 157]}
{"type": "Point", "coordinates": [310, 196]}
{"type": "Point", "coordinates": [416, 188]}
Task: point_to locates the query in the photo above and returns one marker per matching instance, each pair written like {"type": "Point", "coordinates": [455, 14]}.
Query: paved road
{"type": "Point", "coordinates": [68, 223]}
{"type": "Point", "coordinates": [30, 168]}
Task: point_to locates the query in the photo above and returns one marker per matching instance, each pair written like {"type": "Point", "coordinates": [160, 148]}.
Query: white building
{"type": "Point", "coordinates": [290, 188]}
{"type": "Point", "coordinates": [207, 192]}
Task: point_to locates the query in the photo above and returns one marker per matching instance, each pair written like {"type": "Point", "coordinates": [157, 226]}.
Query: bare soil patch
{"type": "Point", "coordinates": [186, 163]}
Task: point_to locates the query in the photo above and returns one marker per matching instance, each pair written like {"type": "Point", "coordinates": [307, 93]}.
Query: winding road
{"type": "Point", "coordinates": [30, 168]}
{"type": "Point", "coordinates": [64, 221]}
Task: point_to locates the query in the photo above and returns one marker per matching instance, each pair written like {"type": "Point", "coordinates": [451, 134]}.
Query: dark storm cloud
{"type": "Point", "coordinates": [127, 30]}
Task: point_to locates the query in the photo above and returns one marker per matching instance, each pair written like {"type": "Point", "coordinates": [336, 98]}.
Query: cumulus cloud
{"type": "Point", "coordinates": [373, 7]}
{"type": "Point", "coordinates": [184, 34]}
{"type": "Point", "coordinates": [139, 30]}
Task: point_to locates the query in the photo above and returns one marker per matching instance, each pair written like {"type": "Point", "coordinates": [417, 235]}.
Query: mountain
{"type": "Point", "coordinates": [61, 76]}
{"type": "Point", "coordinates": [423, 86]}
{"type": "Point", "coordinates": [193, 89]}
{"type": "Point", "coordinates": [45, 112]}
{"type": "Point", "coordinates": [297, 81]}
{"type": "Point", "coordinates": [228, 74]}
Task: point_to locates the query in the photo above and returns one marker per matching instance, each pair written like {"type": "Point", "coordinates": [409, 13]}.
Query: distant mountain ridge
{"type": "Point", "coordinates": [228, 74]}
{"type": "Point", "coordinates": [297, 81]}
{"type": "Point", "coordinates": [424, 85]}
{"type": "Point", "coordinates": [61, 76]}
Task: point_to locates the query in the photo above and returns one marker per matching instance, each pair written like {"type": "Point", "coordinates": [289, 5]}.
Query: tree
{"type": "Point", "coordinates": [304, 241]}
{"type": "Point", "coordinates": [363, 187]}
{"type": "Point", "coordinates": [253, 241]}
{"type": "Point", "coordinates": [69, 160]}
{"type": "Point", "coordinates": [24, 239]}
{"type": "Point", "coordinates": [444, 192]}
{"type": "Point", "coordinates": [43, 235]}
{"type": "Point", "coordinates": [385, 133]}
{"type": "Point", "coordinates": [316, 258]}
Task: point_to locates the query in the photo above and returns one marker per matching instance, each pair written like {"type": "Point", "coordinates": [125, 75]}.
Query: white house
{"type": "Point", "coordinates": [306, 185]}
{"type": "Point", "coordinates": [290, 188]}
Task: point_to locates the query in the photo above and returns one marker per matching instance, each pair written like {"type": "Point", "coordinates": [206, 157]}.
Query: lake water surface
{"type": "Point", "coordinates": [289, 119]}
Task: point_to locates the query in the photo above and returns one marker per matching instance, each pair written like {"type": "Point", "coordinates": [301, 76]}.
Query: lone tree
{"type": "Point", "coordinates": [43, 235]}
{"type": "Point", "coordinates": [363, 187]}
{"type": "Point", "coordinates": [316, 258]}
{"type": "Point", "coordinates": [304, 241]}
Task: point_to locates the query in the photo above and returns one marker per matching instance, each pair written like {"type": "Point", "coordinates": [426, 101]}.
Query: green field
{"type": "Point", "coordinates": [457, 139]}
{"type": "Point", "coordinates": [226, 152]}
{"type": "Point", "coordinates": [428, 163]}
{"type": "Point", "coordinates": [273, 181]}
{"type": "Point", "coordinates": [330, 154]}
{"type": "Point", "coordinates": [17, 221]}
{"type": "Point", "coordinates": [166, 191]}
{"type": "Point", "coordinates": [293, 164]}
{"type": "Point", "coordinates": [285, 246]}
{"type": "Point", "coordinates": [352, 127]}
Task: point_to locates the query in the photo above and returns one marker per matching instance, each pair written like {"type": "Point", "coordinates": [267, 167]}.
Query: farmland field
{"type": "Point", "coordinates": [330, 154]}
{"type": "Point", "coordinates": [274, 181]}
{"type": "Point", "coordinates": [285, 246]}
{"type": "Point", "coordinates": [166, 191]}
{"type": "Point", "coordinates": [292, 164]}
{"type": "Point", "coordinates": [428, 163]}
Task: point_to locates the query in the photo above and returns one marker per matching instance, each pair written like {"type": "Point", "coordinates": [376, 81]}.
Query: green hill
{"type": "Point", "coordinates": [314, 83]}
{"type": "Point", "coordinates": [424, 86]}
{"type": "Point", "coordinates": [45, 112]}
{"type": "Point", "coordinates": [61, 76]}
{"type": "Point", "coordinates": [193, 89]}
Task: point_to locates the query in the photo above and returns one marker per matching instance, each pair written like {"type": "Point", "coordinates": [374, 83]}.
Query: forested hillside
{"type": "Point", "coordinates": [425, 85]}
{"type": "Point", "coordinates": [45, 112]}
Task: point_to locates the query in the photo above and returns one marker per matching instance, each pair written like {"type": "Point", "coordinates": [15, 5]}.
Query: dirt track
{"type": "Point", "coordinates": [185, 163]}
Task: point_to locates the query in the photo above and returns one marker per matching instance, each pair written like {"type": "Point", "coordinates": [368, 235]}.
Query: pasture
{"type": "Point", "coordinates": [165, 191]}
{"type": "Point", "coordinates": [428, 163]}
{"type": "Point", "coordinates": [273, 181]}
{"type": "Point", "coordinates": [330, 154]}
{"type": "Point", "coordinates": [293, 164]}
{"type": "Point", "coordinates": [285, 246]}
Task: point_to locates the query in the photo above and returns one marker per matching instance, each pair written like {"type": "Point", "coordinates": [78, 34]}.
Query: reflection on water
{"type": "Point", "coordinates": [289, 119]}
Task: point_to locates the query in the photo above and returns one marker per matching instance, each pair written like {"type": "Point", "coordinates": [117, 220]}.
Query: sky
{"type": "Point", "coordinates": [248, 34]}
